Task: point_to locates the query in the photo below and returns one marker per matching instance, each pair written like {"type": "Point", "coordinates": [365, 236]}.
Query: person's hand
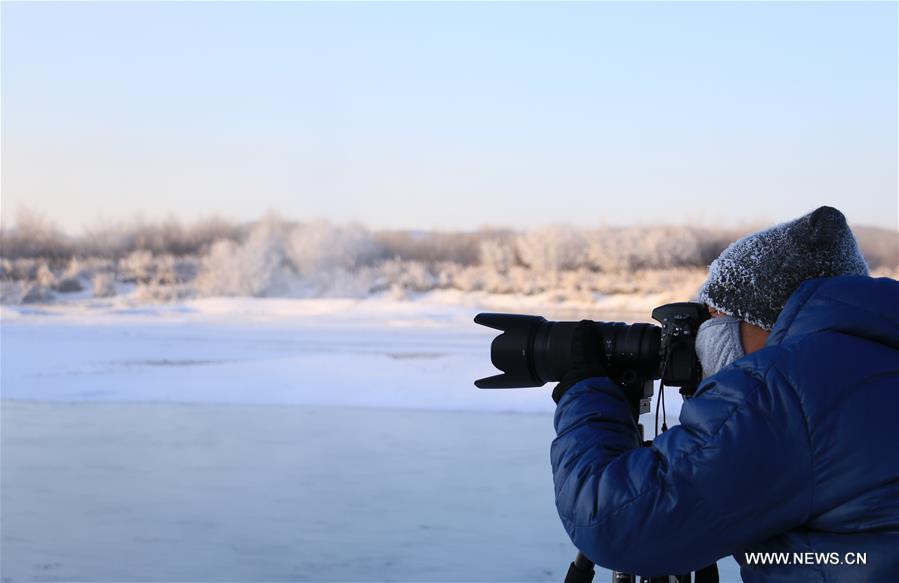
{"type": "Point", "coordinates": [587, 358]}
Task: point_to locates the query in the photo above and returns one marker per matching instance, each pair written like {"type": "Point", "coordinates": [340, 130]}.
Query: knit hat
{"type": "Point", "coordinates": [755, 276]}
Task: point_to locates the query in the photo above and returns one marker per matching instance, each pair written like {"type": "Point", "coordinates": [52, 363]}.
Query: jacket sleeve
{"type": "Point", "coordinates": [736, 470]}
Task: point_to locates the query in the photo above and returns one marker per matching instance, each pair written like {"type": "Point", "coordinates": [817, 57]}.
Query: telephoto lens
{"type": "Point", "coordinates": [532, 351]}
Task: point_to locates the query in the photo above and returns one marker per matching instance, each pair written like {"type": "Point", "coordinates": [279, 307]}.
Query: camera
{"type": "Point", "coordinates": [532, 351]}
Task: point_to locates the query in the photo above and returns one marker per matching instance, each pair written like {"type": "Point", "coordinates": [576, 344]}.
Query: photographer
{"type": "Point", "coordinates": [789, 444]}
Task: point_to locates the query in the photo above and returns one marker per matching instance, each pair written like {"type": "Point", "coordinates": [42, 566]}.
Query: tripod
{"type": "Point", "coordinates": [581, 570]}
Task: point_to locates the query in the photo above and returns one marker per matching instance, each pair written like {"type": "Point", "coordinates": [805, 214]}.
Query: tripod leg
{"type": "Point", "coordinates": [707, 574]}
{"type": "Point", "coordinates": [580, 570]}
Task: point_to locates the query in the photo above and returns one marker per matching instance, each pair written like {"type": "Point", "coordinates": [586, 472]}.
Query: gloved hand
{"type": "Point", "coordinates": [587, 358]}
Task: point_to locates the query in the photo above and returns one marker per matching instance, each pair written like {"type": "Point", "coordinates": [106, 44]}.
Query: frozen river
{"type": "Point", "coordinates": [203, 492]}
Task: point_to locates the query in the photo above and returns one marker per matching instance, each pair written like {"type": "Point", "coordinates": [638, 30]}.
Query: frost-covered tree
{"type": "Point", "coordinates": [619, 250]}
{"type": "Point", "coordinates": [497, 256]}
{"type": "Point", "coordinates": [551, 250]}
{"type": "Point", "coordinates": [249, 268]}
{"type": "Point", "coordinates": [320, 246]}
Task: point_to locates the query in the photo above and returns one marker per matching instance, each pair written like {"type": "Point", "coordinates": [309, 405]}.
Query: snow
{"type": "Point", "coordinates": [276, 439]}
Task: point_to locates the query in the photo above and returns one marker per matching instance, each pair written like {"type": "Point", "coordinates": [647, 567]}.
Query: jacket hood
{"type": "Point", "coordinates": [859, 306]}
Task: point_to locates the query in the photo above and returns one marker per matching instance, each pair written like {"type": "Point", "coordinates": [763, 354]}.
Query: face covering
{"type": "Point", "coordinates": [718, 344]}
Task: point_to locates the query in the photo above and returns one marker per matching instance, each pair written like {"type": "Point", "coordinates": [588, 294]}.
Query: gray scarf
{"type": "Point", "coordinates": [718, 344]}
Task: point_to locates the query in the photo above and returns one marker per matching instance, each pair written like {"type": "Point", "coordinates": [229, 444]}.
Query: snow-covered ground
{"type": "Point", "coordinates": [276, 439]}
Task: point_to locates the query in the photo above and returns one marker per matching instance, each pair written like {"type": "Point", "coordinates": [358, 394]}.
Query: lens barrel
{"type": "Point", "coordinates": [532, 351]}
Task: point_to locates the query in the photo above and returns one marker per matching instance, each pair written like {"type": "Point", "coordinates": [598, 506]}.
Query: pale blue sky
{"type": "Point", "coordinates": [428, 115]}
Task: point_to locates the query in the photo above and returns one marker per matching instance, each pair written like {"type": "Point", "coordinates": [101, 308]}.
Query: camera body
{"type": "Point", "coordinates": [680, 323]}
{"type": "Point", "coordinates": [532, 351]}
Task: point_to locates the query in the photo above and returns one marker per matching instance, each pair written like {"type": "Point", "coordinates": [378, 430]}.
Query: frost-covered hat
{"type": "Point", "coordinates": [754, 277]}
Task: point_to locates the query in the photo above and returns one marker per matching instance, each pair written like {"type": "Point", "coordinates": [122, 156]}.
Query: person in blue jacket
{"type": "Point", "coordinates": [787, 457]}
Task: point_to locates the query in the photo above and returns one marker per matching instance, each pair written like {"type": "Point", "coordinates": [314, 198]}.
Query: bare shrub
{"type": "Point", "coordinates": [22, 269]}
{"type": "Point", "coordinates": [34, 236]}
{"type": "Point", "coordinates": [104, 285]}
{"type": "Point", "coordinates": [137, 267]}
{"type": "Point", "coordinates": [166, 237]}
{"type": "Point", "coordinates": [45, 277]}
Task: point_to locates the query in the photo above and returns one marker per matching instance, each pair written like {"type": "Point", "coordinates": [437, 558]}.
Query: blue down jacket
{"type": "Point", "coordinates": [793, 448]}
